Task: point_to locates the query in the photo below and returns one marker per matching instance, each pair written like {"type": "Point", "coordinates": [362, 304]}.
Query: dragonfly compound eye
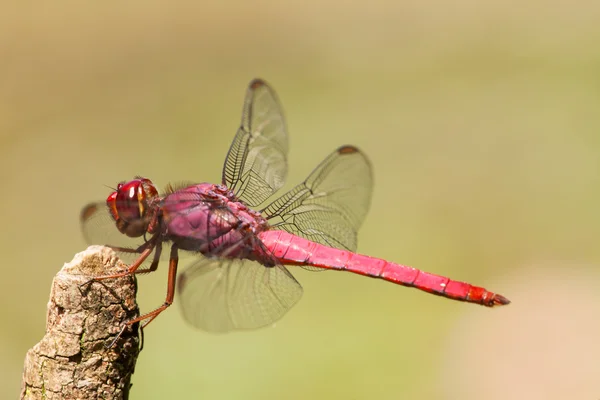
{"type": "Point", "coordinates": [129, 205]}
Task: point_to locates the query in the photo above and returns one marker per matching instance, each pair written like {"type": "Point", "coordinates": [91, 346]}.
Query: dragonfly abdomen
{"type": "Point", "coordinates": [291, 249]}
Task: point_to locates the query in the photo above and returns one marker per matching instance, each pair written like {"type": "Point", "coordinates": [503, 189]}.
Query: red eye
{"type": "Point", "coordinates": [129, 201]}
{"type": "Point", "coordinates": [125, 202]}
{"type": "Point", "coordinates": [128, 205]}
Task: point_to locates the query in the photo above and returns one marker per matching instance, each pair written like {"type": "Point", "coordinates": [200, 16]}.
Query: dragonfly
{"type": "Point", "coordinates": [243, 243]}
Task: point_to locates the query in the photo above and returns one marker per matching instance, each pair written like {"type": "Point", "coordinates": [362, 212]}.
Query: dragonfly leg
{"type": "Point", "coordinates": [149, 317]}
{"type": "Point", "coordinates": [150, 245]}
{"type": "Point", "coordinates": [155, 261]}
{"type": "Point", "coordinates": [133, 267]}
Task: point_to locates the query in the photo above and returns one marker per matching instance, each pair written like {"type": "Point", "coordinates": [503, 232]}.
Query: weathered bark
{"type": "Point", "coordinates": [72, 360]}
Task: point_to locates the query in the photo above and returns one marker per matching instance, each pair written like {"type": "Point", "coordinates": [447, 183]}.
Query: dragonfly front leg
{"type": "Point", "coordinates": [133, 268]}
{"type": "Point", "coordinates": [155, 261]}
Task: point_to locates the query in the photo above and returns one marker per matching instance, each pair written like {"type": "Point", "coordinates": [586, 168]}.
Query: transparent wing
{"type": "Point", "coordinates": [256, 164]}
{"type": "Point", "coordinates": [331, 204]}
{"type": "Point", "coordinates": [98, 227]}
{"type": "Point", "coordinates": [221, 295]}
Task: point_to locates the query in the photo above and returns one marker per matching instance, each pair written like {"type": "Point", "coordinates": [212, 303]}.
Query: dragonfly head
{"type": "Point", "coordinates": [129, 206]}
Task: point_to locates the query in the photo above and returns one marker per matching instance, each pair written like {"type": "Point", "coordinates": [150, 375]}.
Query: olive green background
{"type": "Point", "coordinates": [482, 122]}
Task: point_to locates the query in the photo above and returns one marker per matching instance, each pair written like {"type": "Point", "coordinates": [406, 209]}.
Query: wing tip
{"type": "Point", "coordinates": [257, 83]}
{"type": "Point", "coordinates": [348, 149]}
{"type": "Point", "coordinates": [88, 211]}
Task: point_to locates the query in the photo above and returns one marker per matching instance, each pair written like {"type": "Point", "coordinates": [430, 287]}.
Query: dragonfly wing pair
{"type": "Point", "coordinates": [328, 207]}
{"type": "Point", "coordinates": [220, 294]}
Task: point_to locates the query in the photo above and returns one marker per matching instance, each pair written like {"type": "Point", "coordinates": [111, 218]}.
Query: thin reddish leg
{"type": "Point", "coordinates": [155, 261]}
{"type": "Point", "coordinates": [173, 261]}
{"type": "Point", "coordinates": [294, 250]}
{"type": "Point", "coordinates": [151, 244]}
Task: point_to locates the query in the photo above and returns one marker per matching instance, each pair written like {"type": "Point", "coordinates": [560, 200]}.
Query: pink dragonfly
{"type": "Point", "coordinates": [240, 280]}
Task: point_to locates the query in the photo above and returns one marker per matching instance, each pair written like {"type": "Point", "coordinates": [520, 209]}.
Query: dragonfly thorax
{"type": "Point", "coordinates": [208, 218]}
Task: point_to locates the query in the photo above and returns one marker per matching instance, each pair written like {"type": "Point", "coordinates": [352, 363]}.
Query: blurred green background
{"type": "Point", "coordinates": [482, 123]}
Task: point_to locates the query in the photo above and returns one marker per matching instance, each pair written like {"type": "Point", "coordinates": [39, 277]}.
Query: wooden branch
{"type": "Point", "coordinates": [72, 360]}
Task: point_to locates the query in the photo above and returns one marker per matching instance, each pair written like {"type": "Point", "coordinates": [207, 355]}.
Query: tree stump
{"type": "Point", "coordinates": [73, 360]}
